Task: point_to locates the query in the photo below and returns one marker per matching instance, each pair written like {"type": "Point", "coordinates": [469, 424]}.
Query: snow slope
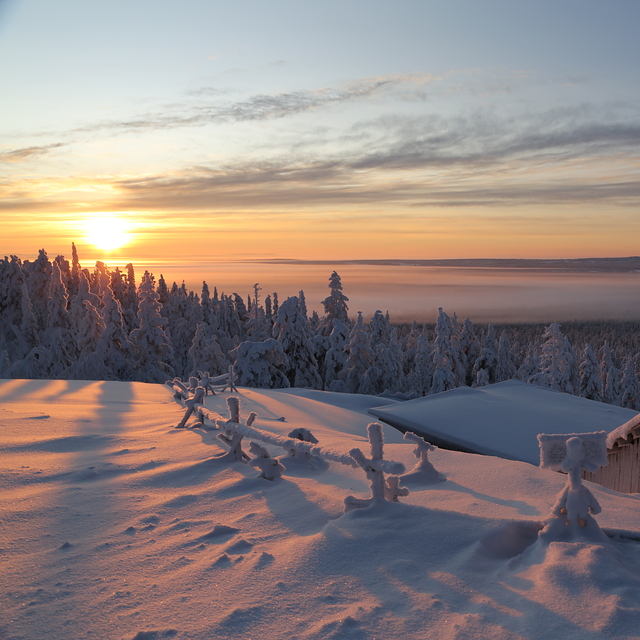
{"type": "Point", "coordinates": [114, 524]}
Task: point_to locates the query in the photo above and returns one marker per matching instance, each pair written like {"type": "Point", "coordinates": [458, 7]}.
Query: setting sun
{"type": "Point", "coordinates": [107, 231]}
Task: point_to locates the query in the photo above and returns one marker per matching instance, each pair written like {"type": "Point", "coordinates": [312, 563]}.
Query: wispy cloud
{"type": "Point", "coordinates": [259, 107]}
{"type": "Point", "coordinates": [26, 153]}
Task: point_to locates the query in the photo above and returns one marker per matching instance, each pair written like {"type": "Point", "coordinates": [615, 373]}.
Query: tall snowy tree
{"type": "Point", "coordinates": [630, 387]}
{"type": "Point", "coordinates": [114, 346]}
{"type": "Point", "coordinates": [335, 304]}
{"type": "Point", "coordinates": [292, 332]}
{"type": "Point", "coordinates": [153, 347]}
{"type": "Point", "coordinates": [556, 360]}
{"type": "Point", "coordinates": [589, 383]}
{"type": "Point", "coordinates": [58, 337]}
{"type": "Point", "coordinates": [205, 353]}
{"type": "Point", "coordinates": [336, 356]}
{"type": "Point", "coordinates": [443, 377]}
{"type": "Point", "coordinates": [360, 358]}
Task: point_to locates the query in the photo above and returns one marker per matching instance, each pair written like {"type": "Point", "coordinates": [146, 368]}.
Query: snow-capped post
{"type": "Point", "coordinates": [233, 404]}
{"type": "Point", "coordinates": [231, 379]}
{"type": "Point", "coordinates": [206, 381]}
{"type": "Point", "coordinates": [270, 468]}
{"type": "Point", "coordinates": [193, 383]}
{"type": "Point", "coordinates": [424, 472]}
{"type": "Point", "coordinates": [570, 517]}
{"type": "Point", "coordinates": [375, 468]}
{"type": "Point", "coordinates": [197, 398]}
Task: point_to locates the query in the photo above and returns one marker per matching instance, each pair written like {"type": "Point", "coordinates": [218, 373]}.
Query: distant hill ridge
{"type": "Point", "coordinates": [621, 265]}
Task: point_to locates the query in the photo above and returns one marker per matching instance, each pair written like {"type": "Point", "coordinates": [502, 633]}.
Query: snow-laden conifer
{"type": "Point", "coordinates": [556, 360]}
{"type": "Point", "coordinates": [292, 331]}
{"type": "Point", "coordinates": [58, 337]}
{"type": "Point", "coordinates": [153, 347]}
{"type": "Point", "coordinates": [360, 357]}
{"type": "Point", "coordinates": [630, 387]}
{"type": "Point", "coordinates": [505, 366]}
{"type": "Point", "coordinates": [335, 304]}
{"type": "Point", "coordinates": [205, 353]}
{"type": "Point", "coordinates": [336, 356]}
{"type": "Point", "coordinates": [589, 383]}
{"type": "Point", "coordinates": [443, 376]}
{"type": "Point", "coordinates": [261, 364]}
{"type": "Point", "coordinates": [114, 347]}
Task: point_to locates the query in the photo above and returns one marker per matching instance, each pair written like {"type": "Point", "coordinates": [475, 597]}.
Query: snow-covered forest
{"type": "Point", "coordinates": [61, 321]}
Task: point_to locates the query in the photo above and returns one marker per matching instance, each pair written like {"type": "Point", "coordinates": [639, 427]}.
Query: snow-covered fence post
{"type": "Point", "coordinates": [375, 468]}
{"type": "Point", "coordinates": [197, 398]}
{"type": "Point", "coordinates": [180, 392]}
{"type": "Point", "coordinates": [424, 472]}
{"type": "Point", "coordinates": [233, 404]}
{"type": "Point", "coordinates": [206, 381]}
{"type": "Point", "coordinates": [570, 516]}
{"type": "Point", "coordinates": [270, 467]}
{"type": "Point", "coordinates": [231, 380]}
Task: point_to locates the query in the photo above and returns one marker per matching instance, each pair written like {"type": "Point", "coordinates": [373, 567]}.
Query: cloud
{"type": "Point", "coordinates": [26, 153]}
{"type": "Point", "coordinates": [259, 107]}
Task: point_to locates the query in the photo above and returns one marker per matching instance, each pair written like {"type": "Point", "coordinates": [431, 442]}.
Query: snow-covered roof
{"type": "Point", "coordinates": [502, 419]}
{"type": "Point", "coordinates": [624, 430]}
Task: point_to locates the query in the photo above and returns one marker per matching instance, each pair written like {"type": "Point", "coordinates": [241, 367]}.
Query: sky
{"type": "Point", "coordinates": [336, 130]}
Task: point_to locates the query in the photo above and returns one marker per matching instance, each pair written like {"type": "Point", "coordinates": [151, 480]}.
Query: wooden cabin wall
{"type": "Point", "coordinates": [623, 471]}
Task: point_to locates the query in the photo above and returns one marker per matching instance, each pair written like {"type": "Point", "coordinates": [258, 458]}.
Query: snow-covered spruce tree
{"type": "Point", "coordinates": [443, 377]}
{"type": "Point", "coordinates": [419, 380]}
{"type": "Point", "coordinates": [74, 276]}
{"type": "Point", "coordinates": [205, 353]}
{"type": "Point", "coordinates": [100, 279]}
{"type": "Point", "coordinates": [90, 365]}
{"type": "Point", "coordinates": [488, 358]}
{"type": "Point", "coordinates": [470, 347]}
{"type": "Point", "coordinates": [38, 279]}
{"type": "Point", "coordinates": [589, 383]}
{"type": "Point", "coordinates": [360, 358]}
{"type": "Point", "coordinates": [531, 363]}
{"type": "Point", "coordinates": [630, 387]}
{"type": "Point", "coordinates": [336, 356]}
{"type": "Point", "coordinates": [256, 327]}
{"type": "Point", "coordinates": [260, 364]}
{"type": "Point", "coordinates": [335, 305]}
{"type": "Point", "coordinates": [58, 337]}
{"type": "Point", "coordinates": [77, 308]}
{"type": "Point", "coordinates": [556, 361]}
{"type": "Point", "coordinates": [153, 349]}
{"type": "Point", "coordinates": [114, 347]}
{"type": "Point", "coordinates": [610, 376]}
{"type": "Point", "coordinates": [12, 283]}
{"type": "Point", "coordinates": [505, 367]}
{"type": "Point", "coordinates": [293, 333]}
{"type": "Point", "coordinates": [389, 359]}
{"type": "Point", "coordinates": [26, 335]}
{"type": "Point", "coordinates": [458, 356]}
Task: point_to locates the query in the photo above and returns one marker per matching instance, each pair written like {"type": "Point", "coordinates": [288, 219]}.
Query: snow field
{"type": "Point", "coordinates": [114, 524]}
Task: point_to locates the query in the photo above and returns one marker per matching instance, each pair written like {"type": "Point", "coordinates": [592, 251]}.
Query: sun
{"type": "Point", "coordinates": [107, 231]}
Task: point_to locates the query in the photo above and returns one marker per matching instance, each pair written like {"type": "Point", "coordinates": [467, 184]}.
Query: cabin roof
{"type": "Point", "coordinates": [502, 419]}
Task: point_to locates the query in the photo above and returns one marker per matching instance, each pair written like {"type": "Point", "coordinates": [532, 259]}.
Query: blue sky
{"type": "Point", "coordinates": [336, 129]}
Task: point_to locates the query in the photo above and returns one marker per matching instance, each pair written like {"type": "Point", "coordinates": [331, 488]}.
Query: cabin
{"type": "Point", "coordinates": [623, 452]}
{"type": "Point", "coordinates": [502, 419]}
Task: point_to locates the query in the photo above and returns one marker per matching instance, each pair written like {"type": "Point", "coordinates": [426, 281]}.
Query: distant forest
{"type": "Point", "coordinates": [59, 320]}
